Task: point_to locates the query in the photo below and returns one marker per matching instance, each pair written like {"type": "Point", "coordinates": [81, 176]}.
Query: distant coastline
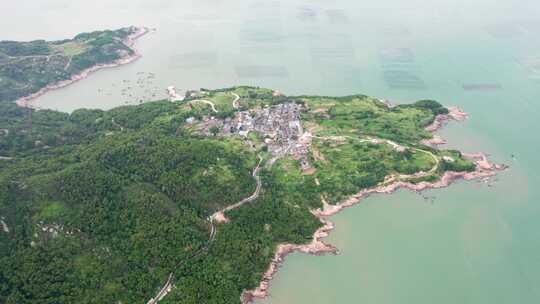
{"type": "Point", "coordinates": [129, 41]}
{"type": "Point", "coordinates": [483, 171]}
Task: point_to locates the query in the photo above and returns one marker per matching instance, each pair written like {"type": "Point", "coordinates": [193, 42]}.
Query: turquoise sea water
{"type": "Point", "coordinates": [474, 242]}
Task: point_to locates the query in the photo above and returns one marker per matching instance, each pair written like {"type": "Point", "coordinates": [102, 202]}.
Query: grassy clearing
{"type": "Point", "coordinates": [413, 161]}
{"type": "Point", "coordinates": [223, 101]}
{"type": "Point", "coordinates": [50, 211]}
{"type": "Point", "coordinates": [350, 166]}
{"type": "Point", "coordinates": [298, 189]}
{"type": "Point", "coordinates": [367, 116]}
{"type": "Point", "coordinates": [70, 48]}
{"type": "Point", "coordinates": [454, 161]}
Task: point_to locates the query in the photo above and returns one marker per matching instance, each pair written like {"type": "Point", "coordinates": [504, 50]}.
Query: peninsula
{"type": "Point", "coordinates": [197, 200]}
{"type": "Point", "coordinates": [29, 69]}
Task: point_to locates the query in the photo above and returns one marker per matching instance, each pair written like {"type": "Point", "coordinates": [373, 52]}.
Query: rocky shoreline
{"type": "Point", "coordinates": [484, 170]}
{"type": "Point", "coordinates": [316, 247]}
{"type": "Point", "coordinates": [128, 41]}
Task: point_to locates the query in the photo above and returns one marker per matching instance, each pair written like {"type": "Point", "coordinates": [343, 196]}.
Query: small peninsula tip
{"type": "Point", "coordinates": [29, 69]}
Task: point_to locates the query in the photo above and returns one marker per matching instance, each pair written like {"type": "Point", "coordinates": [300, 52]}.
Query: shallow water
{"type": "Point", "coordinates": [474, 243]}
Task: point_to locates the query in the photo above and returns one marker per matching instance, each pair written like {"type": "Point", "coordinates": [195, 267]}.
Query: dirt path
{"type": "Point", "coordinates": [235, 101]}
{"type": "Point", "coordinates": [48, 57]}
{"type": "Point", "coordinates": [208, 102]}
{"type": "Point", "coordinates": [437, 161]}
{"type": "Point", "coordinates": [5, 227]}
{"type": "Point", "coordinates": [68, 64]}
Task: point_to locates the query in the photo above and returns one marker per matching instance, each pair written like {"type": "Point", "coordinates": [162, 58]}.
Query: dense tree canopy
{"type": "Point", "coordinates": [101, 206]}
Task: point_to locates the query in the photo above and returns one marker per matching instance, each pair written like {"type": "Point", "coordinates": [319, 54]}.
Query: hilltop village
{"type": "Point", "coordinates": [279, 126]}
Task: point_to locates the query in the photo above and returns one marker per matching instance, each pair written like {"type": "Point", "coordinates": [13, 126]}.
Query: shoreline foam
{"type": "Point", "coordinates": [484, 170]}
{"type": "Point", "coordinates": [25, 102]}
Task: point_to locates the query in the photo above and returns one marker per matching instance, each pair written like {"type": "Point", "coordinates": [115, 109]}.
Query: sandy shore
{"type": "Point", "coordinates": [129, 41]}
{"type": "Point", "coordinates": [484, 170]}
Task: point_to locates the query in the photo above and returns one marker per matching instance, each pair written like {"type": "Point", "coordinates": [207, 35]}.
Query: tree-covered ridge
{"type": "Point", "coordinates": [102, 206]}
{"type": "Point", "coordinates": [27, 67]}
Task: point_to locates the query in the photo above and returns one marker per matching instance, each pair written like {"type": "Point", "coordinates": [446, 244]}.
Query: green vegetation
{"type": "Point", "coordinates": [362, 115]}
{"type": "Point", "coordinates": [27, 67]}
{"type": "Point", "coordinates": [102, 205]}
{"type": "Point", "coordinates": [455, 162]}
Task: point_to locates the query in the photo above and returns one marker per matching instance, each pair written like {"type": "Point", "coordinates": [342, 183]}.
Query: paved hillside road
{"type": "Point", "coordinates": [250, 198]}
{"type": "Point", "coordinates": [167, 287]}
{"type": "Point", "coordinates": [163, 291]}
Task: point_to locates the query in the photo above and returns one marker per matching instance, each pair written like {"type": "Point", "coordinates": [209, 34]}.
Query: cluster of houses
{"type": "Point", "coordinates": [279, 125]}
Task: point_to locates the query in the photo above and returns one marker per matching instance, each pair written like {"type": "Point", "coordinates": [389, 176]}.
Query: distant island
{"type": "Point", "coordinates": [28, 69]}
{"type": "Point", "coordinates": [198, 199]}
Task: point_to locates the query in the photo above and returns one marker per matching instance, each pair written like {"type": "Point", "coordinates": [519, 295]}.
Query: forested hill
{"type": "Point", "coordinates": [102, 206]}
{"type": "Point", "coordinates": [27, 67]}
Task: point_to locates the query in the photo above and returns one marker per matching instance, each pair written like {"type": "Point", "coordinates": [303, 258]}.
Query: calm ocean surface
{"type": "Point", "coordinates": [470, 243]}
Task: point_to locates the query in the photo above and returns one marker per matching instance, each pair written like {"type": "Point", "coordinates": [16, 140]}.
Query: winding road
{"type": "Point", "coordinates": [219, 215]}
{"type": "Point", "coordinates": [68, 64]}
{"type": "Point", "coordinates": [167, 287]}
{"type": "Point", "coordinates": [250, 198]}
{"type": "Point", "coordinates": [208, 102]}
{"type": "Point", "coordinates": [234, 102]}
{"type": "Point", "coordinates": [163, 291]}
